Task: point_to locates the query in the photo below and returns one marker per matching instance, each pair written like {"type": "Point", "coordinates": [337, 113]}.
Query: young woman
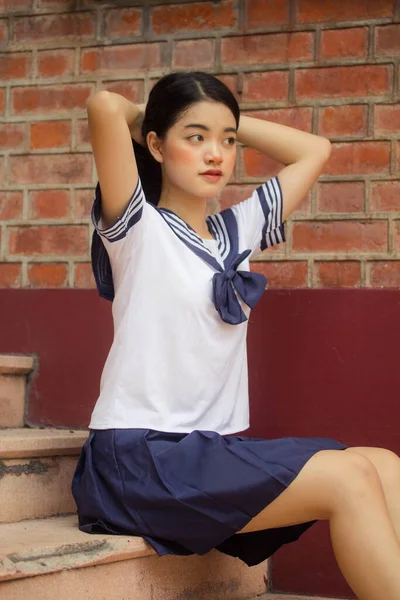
{"type": "Point", "coordinates": [162, 460]}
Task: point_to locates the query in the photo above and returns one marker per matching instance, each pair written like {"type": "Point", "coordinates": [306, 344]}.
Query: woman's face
{"type": "Point", "coordinates": [203, 138]}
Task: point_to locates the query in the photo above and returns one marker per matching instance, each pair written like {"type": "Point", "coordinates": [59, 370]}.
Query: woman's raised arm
{"type": "Point", "coordinates": [112, 120]}
{"type": "Point", "coordinates": [305, 154]}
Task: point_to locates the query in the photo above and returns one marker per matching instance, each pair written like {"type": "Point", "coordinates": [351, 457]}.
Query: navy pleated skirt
{"type": "Point", "coordinates": [187, 493]}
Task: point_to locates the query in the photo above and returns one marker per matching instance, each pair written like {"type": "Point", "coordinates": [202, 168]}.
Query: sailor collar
{"type": "Point", "coordinates": [228, 282]}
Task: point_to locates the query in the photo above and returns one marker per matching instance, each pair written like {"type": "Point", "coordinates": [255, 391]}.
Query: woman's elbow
{"type": "Point", "coordinates": [325, 149]}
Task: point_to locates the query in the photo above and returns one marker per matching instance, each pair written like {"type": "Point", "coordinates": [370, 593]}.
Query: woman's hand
{"type": "Point", "coordinates": [136, 127]}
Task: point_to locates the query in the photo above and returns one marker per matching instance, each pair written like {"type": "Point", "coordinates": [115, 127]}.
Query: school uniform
{"type": "Point", "coordinates": [162, 460]}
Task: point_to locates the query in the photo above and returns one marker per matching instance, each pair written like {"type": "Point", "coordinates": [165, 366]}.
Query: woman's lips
{"type": "Point", "coordinates": [211, 177]}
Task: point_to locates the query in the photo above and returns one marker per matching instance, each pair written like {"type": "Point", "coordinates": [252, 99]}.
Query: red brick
{"type": "Point", "coordinates": [193, 53]}
{"type": "Point", "coordinates": [265, 13]}
{"type": "Point", "coordinates": [15, 66]}
{"type": "Point", "coordinates": [300, 118]}
{"type": "Point", "coordinates": [49, 98]}
{"type": "Point", "coordinates": [199, 16]}
{"type": "Point", "coordinates": [397, 236]}
{"type": "Point", "coordinates": [398, 156]}
{"type": "Point", "coordinates": [115, 59]}
{"type": "Point", "coordinates": [50, 134]}
{"type": "Point", "coordinates": [56, 63]}
{"type": "Point", "coordinates": [268, 48]}
{"type": "Point", "coordinates": [344, 43]}
{"type": "Point", "coordinates": [268, 86]}
{"type": "Point", "coordinates": [12, 136]}
{"type": "Point", "coordinates": [49, 240]}
{"type": "Point", "coordinates": [50, 168]}
{"type": "Point", "coordinates": [84, 276]}
{"type": "Point", "coordinates": [355, 158]}
{"type": "Point", "coordinates": [385, 196]}
{"type": "Point", "coordinates": [343, 120]}
{"type": "Point", "coordinates": [231, 81]}
{"type": "Point", "coordinates": [310, 11]}
{"type": "Point", "coordinates": [304, 208]}
{"type": "Point", "coordinates": [339, 236]}
{"type": "Point", "coordinates": [14, 5]}
{"type": "Point", "coordinates": [82, 204]}
{"type": "Point", "coordinates": [3, 31]}
{"type": "Point", "coordinates": [282, 274]}
{"type": "Point", "coordinates": [387, 118]}
{"type": "Point", "coordinates": [339, 82]}
{"type": "Point", "coordinates": [387, 40]}
{"type": "Point", "coordinates": [340, 197]}
{"type": "Point", "coordinates": [133, 90]}
{"type": "Point", "coordinates": [49, 204]}
{"type": "Point", "coordinates": [73, 26]}
{"type": "Point", "coordinates": [47, 275]}
{"type": "Point", "coordinates": [337, 274]}
{"type": "Point", "coordinates": [123, 22]}
{"type": "Point", "coordinates": [2, 101]}
{"type": "Point", "coordinates": [258, 164]}
{"type": "Point", "coordinates": [385, 274]}
{"type": "Point", "coordinates": [10, 275]}
{"type": "Point", "coordinates": [82, 135]}
{"type": "Point", "coordinates": [10, 205]}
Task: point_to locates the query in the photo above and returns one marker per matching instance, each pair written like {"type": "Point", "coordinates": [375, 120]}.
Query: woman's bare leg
{"type": "Point", "coordinates": [344, 488]}
{"type": "Point", "coordinates": [387, 463]}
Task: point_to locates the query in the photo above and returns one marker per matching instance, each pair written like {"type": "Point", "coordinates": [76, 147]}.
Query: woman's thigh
{"type": "Point", "coordinates": [316, 490]}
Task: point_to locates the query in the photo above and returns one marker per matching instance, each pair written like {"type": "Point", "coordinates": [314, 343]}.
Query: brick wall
{"type": "Point", "coordinates": [324, 66]}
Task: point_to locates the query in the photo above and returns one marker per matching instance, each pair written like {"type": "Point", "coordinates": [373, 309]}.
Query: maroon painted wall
{"type": "Point", "coordinates": [321, 363]}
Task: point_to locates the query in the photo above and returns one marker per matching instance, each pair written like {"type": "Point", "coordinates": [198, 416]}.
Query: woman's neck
{"type": "Point", "coordinates": [191, 209]}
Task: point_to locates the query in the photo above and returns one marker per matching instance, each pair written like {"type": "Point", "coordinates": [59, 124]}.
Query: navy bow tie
{"type": "Point", "coordinates": [249, 286]}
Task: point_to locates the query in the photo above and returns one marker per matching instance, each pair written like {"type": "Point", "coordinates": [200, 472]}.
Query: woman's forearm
{"type": "Point", "coordinates": [285, 144]}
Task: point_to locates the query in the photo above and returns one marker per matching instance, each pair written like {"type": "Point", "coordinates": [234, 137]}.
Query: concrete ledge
{"type": "Point", "coordinates": [41, 546]}
{"type": "Point", "coordinates": [116, 567]}
{"type": "Point", "coordinates": [25, 442]}
{"type": "Point", "coordinates": [48, 559]}
{"type": "Point", "coordinates": [15, 365]}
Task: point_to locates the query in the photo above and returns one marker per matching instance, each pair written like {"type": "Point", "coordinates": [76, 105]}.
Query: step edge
{"type": "Point", "coordinates": [29, 443]}
{"type": "Point", "coordinates": [11, 364]}
{"type": "Point", "coordinates": [75, 555]}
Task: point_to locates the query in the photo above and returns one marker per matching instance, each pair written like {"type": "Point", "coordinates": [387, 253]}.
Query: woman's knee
{"type": "Point", "coordinates": [351, 474]}
{"type": "Point", "coordinates": [386, 462]}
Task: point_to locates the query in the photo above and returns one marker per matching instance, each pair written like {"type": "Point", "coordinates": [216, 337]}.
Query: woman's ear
{"type": "Point", "coordinates": [154, 145]}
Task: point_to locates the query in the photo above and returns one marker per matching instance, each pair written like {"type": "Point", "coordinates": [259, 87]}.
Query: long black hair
{"type": "Point", "coordinates": [168, 99]}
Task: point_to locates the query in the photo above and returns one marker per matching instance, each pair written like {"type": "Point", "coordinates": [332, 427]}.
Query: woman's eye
{"type": "Point", "coordinates": [196, 136]}
{"type": "Point", "coordinates": [232, 141]}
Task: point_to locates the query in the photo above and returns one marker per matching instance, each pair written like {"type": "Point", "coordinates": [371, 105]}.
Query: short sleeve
{"type": "Point", "coordinates": [129, 218]}
{"type": "Point", "coordinates": [109, 252]}
{"type": "Point", "coordinates": [259, 217]}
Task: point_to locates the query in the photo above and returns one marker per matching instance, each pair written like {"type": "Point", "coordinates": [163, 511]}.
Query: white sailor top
{"type": "Point", "coordinates": [180, 307]}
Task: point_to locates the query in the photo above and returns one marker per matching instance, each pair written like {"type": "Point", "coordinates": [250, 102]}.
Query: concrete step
{"type": "Point", "coordinates": [14, 370]}
{"type": "Point", "coordinates": [36, 469]}
{"type": "Point", "coordinates": [50, 558]}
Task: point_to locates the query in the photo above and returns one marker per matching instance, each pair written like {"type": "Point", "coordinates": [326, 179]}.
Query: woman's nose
{"type": "Point", "coordinates": [214, 153]}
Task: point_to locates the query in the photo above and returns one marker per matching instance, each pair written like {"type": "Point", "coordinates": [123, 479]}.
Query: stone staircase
{"type": "Point", "coordinates": [43, 555]}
